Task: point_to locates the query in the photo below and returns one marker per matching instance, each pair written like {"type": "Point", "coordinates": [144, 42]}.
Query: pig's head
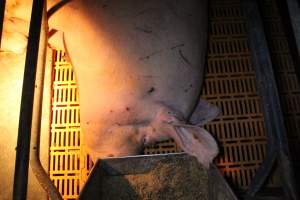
{"type": "Point", "coordinates": [125, 140]}
{"type": "Point", "coordinates": [193, 139]}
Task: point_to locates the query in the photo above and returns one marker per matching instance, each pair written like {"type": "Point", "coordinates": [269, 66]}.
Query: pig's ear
{"type": "Point", "coordinates": [197, 142]}
{"type": "Point", "coordinates": [204, 113]}
{"type": "Point", "coordinates": [56, 39]}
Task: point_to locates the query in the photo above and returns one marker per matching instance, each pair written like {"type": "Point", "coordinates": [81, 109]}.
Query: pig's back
{"type": "Point", "coordinates": [129, 53]}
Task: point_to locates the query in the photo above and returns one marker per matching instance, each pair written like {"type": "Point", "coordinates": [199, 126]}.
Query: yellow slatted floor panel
{"type": "Point", "coordinates": [69, 164]}
{"type": "Point", "coordinates": [230, 84]}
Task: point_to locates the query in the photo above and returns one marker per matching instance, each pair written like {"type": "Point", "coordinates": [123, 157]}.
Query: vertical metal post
{"type": "Point", "coordinates": [294, 12]}
{"type": "Point", "coordinates": [270, 102]}
{"type": "Point", "coordinates": [293, 7]}
{"type": "Point", "coordinates": [25, 120]}
{"type": "Point", "coordinates": [2, 9]}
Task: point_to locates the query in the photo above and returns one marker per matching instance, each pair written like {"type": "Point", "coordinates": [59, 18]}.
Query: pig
{"type": "Point", "coordinates": [139, 66]}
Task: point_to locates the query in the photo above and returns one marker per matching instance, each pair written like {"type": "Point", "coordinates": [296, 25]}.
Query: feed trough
{"type": "Point", "coordinates": [172, 176]}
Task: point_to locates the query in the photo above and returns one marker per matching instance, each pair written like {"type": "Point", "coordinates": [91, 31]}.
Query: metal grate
{"type": "Point", "coordinates": [69, 164]}
{"type": "Point", "coordinates": [230, 84]}
{"type": "Point", "coordinates": [287, 83]}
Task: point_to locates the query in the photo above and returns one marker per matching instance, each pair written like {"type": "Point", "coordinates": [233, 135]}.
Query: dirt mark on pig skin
{"type": "Point", "coordinates": [151, 90]}
{"type": "Point", "coordinates": [184, 58]}
{"type": "Point", "coordinates": [150, 55]}
{"type": "Point", "coordinates": [145, 30]}
{"type": "Point", "coordinates": [190, 87]}
{"type": "Point", "coordinates": [177, 46]}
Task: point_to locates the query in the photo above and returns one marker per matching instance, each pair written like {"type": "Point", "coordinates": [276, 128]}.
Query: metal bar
{"type": "Point", "coordinates": [35, 162]}
{"type": "Point", "coordinates": [294, 11]}
{"type": "Point", "coordinates": [263, 172]}
{"type": "Point", "coordinates": [289, 12]}
{"type": "Point", "coordinates": [268, 92]}
{"type": "Point", "coordinates": [2, 9]}
{"type": "Point", "coordinates": [25, 120]}
{"type": "Point", "coordinates": [56, 7]}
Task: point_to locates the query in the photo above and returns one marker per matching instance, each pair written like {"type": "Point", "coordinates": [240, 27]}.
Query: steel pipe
{"type": "Point", "coordinates": [2, 10]}
{"type": "Point", "coordinates": [35, 162]}
{"type": "Point", "coordinates": [25, 119]}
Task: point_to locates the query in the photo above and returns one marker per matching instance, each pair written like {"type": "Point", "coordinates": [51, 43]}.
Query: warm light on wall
{"type": "Point", "coordinates": [11, 75]}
